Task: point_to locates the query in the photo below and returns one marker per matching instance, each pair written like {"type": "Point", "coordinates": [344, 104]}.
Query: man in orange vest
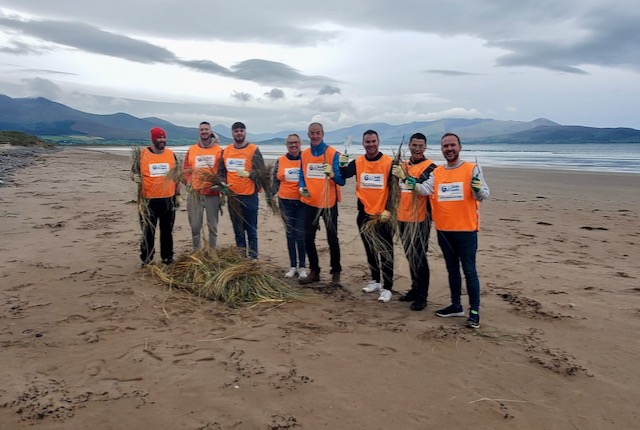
{"type": "Point", "coordinates": [203, 157]}
{"type": "Point", "coordinates": [414, 220]}
{"type": "Point", "coordinates": [320, 182]}
{"type": "Point", "coordinates": [240, 168]}
{"type": "Point", "coordinates": [373, 175]}
{"type": "Point", "coordinates": [456, 190]}
{"type": "Point", "coordinates": [160, 195]}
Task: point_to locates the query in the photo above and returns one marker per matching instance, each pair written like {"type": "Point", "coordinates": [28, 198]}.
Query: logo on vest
{"type": "Point", "coordinates": [235, 164]}
{"type": "Point", "coordinates": [453, 191]}
{"type": "Point", "coordinates": [158, 169]}
{"type": "Point", "coordinates": [372, 181]}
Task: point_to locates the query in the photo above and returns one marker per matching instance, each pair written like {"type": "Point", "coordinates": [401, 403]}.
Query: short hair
{"type": "Point", "coordinates": [370, 132]}
{"type": "Point", "coordinates": [237, 125]}
{"type": "Point", "coordinates": [293, 134]}
{"type": "Point", "coordinates": [418, 136]}
{"type": "Point", "coordinates": [451, 134]}
{"type": "Point", "coordinates": [205, 123]}
{"type": "Point", "coordinates": [316, 123]}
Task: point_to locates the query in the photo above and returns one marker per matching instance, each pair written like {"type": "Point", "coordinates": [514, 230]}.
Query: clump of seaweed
{"type": "Point", "coordinates": [225, 274]}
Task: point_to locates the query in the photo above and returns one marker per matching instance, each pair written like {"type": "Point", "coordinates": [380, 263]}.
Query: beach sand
{"type": "Point", "coordinates": [89, 340]}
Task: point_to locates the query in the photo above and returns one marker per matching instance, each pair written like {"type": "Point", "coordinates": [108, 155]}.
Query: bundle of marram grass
{"type": "Point", "coordinates": [224, 274]}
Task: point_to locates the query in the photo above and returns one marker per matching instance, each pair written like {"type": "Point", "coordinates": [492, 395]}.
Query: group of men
{"type": "Point", "coordinates": [412, 193]}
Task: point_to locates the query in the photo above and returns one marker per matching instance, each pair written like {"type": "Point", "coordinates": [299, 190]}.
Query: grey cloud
{"type": "Point", "coordinates": [95, 40]}
{"type": "Point", "coordinates": [20, 48]}
{"type": "Point", "coordinates": [91, 39]}
{"type": "Point", "coordinates": [274, 73]}
{"type": "Point", "coordinates": [449, 72]}
{"type": "Point", "coordinates": [205, 66]}
{"type": "Point", "coordinates": [241, 96]}
{"type": "Point", "coordinates": [329, 89]}
{"type": "Point", "coordinates": [275, 94]}
{"type": "Point", "coordinates": [43, 88]}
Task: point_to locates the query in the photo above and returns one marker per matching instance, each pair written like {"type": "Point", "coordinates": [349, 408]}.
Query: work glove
{"type": "Point", "coordinates": [398, 172]}
{"type": "Point", "coordinates": [178, 201]}
{"type": "Point", "coordinates": [328, 170]}
{"type": "Point", "coordinates": [243, 173]}
{"type": "Point", "coordinates": [343, 160]}
{"type": "Point", "coordinates": [304, 192]}
{"type": "Point", "coordinates": [137, 178]}
{"type": "Point", "coordinates": [385, 216]}
{"type": "Point", "coordinates": [476, 184]}
{"type": "Point", "coordinates": [410, 182]}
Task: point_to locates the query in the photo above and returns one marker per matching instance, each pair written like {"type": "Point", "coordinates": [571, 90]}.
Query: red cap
{"type": "Point", "coordinates": [157, 133]}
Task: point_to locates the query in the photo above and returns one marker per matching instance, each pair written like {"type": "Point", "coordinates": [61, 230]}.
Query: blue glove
{"type": "Point", "coordinates": [410, 182]}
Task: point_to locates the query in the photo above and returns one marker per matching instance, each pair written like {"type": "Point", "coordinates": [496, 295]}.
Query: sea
{"type": "Point", "coordinates": [589, 157]}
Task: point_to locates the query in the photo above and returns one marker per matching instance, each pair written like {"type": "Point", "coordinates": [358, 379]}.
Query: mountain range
{"type": "Point", "coordinates": [54, 121]}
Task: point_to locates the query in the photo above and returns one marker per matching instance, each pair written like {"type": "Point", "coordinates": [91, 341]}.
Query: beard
{"type": "Point", "coordinates": [159, 145]}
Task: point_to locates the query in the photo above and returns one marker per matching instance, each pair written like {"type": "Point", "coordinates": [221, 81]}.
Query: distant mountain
{"type": "Point", "coordinates": [569, 134]}
{"type": "Point", "coordinates": [56, 121]}
{"type": "Point", "coordinates": [44, 117]}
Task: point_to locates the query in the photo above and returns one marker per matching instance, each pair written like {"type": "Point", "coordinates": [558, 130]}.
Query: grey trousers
{"type": "Point", "coordinates": [197, 204]}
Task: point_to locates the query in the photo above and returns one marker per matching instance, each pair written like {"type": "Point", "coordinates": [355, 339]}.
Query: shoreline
{"type": "Point", "coordinates": [91, 341]}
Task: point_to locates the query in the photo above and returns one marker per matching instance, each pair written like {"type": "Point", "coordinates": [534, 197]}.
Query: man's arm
{"type": "Point", "coordinates": [337, 176]}
{"type": "Point", "coordinates": [426, 188]}
{"type": "Point", "coordinates": [349, 170]}
{"type": "Point", "coordinates": [483, 193]}
{"type": "Point", "coordinates": [275, 182]}
{"type": "Point", "coordinates": [257, 163]}
{"type": "Point", "coordinates": [222, 169]}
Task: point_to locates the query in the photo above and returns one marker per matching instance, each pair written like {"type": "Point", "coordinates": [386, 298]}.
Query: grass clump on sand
{"type": "Point", "coordinates": [224, 274]}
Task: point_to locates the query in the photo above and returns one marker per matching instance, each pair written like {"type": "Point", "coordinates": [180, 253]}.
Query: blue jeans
{"type": "Point", "coordinates": [459, 248]}
{"type": "Point", "coordinates": [244, 219]}
{"type": "Point", "coordinates": [293, 213]}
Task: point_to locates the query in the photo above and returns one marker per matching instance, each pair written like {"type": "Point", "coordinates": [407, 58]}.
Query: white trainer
{"type": "Point", "coordinates": [302, 273]}
{"type": "Point", "coordinates": [291, 273]}
{"type": "Point", "coordinates": [372, 286]}
{"type": "Point", "coordinates": [385, 296]}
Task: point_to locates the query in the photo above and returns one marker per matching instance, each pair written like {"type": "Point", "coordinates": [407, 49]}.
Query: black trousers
{"type": "Point", "coordinates": [415, 241]}
{"type": "Point", "coordinates": [162, 212]}
{"type": "Point", "coordinates": [311, 220]}
{"type": "Point", "coordinates": [379, 250]}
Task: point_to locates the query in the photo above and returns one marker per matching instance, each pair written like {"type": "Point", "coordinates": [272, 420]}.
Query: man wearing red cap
{"type": "Point", "coordinates": [159, 196]}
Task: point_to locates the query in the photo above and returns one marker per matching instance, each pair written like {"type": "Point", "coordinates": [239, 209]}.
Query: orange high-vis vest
{"type": "Point", "coordinates": [201, 162]}
{"type": "Point", "coordinates": [289, 176]}
{"type": "Point", "coordinates": [453, 203]}
{"type": "Point", "coordinates": [372, 186]}
{"type": "Point", "coordinates": [154, 169]}
{"type": "Point", "coordinates": [323, 192]}
{"type": "Point", "coordinates": [412, 207]}
{"type": "Point", "coordinates": [234, 160]}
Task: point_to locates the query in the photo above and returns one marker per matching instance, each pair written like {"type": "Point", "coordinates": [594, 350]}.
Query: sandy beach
{"type": "Point", "coordinates": [90, 340]}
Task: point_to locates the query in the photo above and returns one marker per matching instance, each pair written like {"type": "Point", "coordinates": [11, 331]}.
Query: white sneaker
{"type": "Point", "coordinates": [291, 273]}
{"type": "Point", "coordinates": [385, 296]}
{"type": "Point", "coordinates": [372, 286]}
{"type": "Point", "coordinates": [302, 273]}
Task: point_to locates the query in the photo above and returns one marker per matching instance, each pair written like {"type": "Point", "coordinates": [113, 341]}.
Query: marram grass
{"type": "Point", "coordinates": [224, 274]}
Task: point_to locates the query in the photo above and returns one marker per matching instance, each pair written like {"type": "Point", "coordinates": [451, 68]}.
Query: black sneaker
{"type": "Point", "coordinates": [451, 311]}
{"type": "Point", "coordinates": [474, 320]}
{"type": "Point", "coordinates": [409, 297]}
{"type": "Point", "coordinates": [167, 261]}
{"type": "Point", "coordinates": [418, 305]}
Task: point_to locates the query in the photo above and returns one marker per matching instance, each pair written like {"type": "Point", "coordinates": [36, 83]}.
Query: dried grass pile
{"type": "Point", "coordinates": [224, 274]}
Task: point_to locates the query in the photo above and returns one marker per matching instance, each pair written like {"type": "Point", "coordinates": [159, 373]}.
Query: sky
{"type": "Point", "coordinates": [279, 65]}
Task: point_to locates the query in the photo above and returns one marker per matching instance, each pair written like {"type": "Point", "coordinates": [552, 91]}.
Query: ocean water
{"type": "Point", "coordinates": [592, 157]}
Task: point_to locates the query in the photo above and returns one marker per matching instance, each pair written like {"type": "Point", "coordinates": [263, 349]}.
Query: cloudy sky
{"type": "Point", "coordinates": [280, 64]}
